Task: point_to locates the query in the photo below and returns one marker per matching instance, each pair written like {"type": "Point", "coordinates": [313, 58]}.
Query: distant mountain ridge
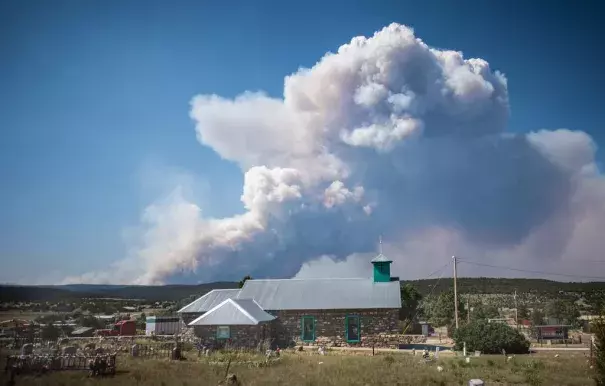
{"type": "Point", "coordinates": [173, 292]}
{"type": "Point", "coordinates": [177, 292]}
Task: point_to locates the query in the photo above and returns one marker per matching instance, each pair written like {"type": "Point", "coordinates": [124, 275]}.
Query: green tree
{"type": "Point", "coordinates": [565, 311]}
{"type": "Point", "coordinates": [241, 282]}
{"type": "Point", "coordinates": [537, 317]}
{"type": "Point", "coordinates": [490, 338]}
{"type": "Point", "coordinates": [440, 311]}
{"type": "Point", "coordinates": [598, 327]}
{"type": "Point", "coordinates": [50, 332]}
{"type": "Point", "coordinates": [410, 298]}
{"type": "Point", "coordinates": [90, 321]}
{"type": "Point", "coordinates": [141, 321]}
{"type": "Point", "coordinates": [522, 312]}
{"type": "Point", "coordinates": [484, 312]}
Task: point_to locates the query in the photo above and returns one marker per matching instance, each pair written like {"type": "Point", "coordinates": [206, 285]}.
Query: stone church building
{"type": "Point", "coordinates": [334, 312]}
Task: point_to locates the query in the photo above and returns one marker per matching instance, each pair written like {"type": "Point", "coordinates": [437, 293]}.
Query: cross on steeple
{"type": "Point", "coordinates": [381, 263]}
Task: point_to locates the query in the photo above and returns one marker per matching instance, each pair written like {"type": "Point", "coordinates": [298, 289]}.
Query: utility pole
{"type": "Point", "coordinates": [516, 314]}
{"type": "Point", "coordinates": [455, 290]}
{"type": "Point", "coordinates": [468, 309]}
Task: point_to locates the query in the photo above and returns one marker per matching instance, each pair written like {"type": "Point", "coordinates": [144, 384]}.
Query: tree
{"type": "Point", "coordinates": [90, 321]}
{"type": "Point", "coordinates": [141, 321]}
{"type": "Point", "coordinates": [522, 312]}
{"type": "Point", "coordinates": [490, 338]}
{"type": "Point", "coordinates": [241, 282]}
{"type": "Point", "coordinates": [410, 298]}
{"type": "Point", "coordinates": [484, 312]}
{"type": "Point", "coordinates": [50, 332]}
{"type": "Point", "coordinates": [537, 317]}
{"type": "Point", "coordinates": [441, 310]}
{"type": "Point", "coordinates": [565, 311]}
{"type": "Point", "coordinates": [598, 327]}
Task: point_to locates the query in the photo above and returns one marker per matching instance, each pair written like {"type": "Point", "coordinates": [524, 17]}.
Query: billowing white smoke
{"type": "Point", "coordinates": [386, 136]}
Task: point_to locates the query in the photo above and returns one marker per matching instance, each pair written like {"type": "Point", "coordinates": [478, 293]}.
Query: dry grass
{"type": "Point", "coordinates": [335, 369]}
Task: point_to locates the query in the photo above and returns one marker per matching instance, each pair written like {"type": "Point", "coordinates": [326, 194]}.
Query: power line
{"type": "Point", "coordinates": [442, 269]}
{"type": "Point", "coordinates": [436, 271]}
{"type": "Point", "coordinates": [531, 271]}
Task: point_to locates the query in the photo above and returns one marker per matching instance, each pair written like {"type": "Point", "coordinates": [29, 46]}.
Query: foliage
{"type": "Point", "coordinates": [90, 321]}
{"type": "Point", "coordinates": [440, 310]}
{"type": "Point", "coordinates": [50, 332]}
{"type": "Point", "coordinates": [565, 311]}
{"type": "Point", "coordinates": [522, 312]}
{"type": "Point", "coordinates": [490, 338]}
{"type": "Point", "coordinates": [410, 298]}
{"type": "Point", "coordinates": [537, 318]}
{"type": "Point", "coordinates": [141, 321]}
{"type": "Point", "coordinates": [484, 312]}
{"type": "Point", "coordinates": [490, 285]}
{"type": "Point", "coordinates": [241, 282]}
{"type": "Point", "coordinates": [593, 292]}
{"type": "Point", "coordinates": [598, 327]}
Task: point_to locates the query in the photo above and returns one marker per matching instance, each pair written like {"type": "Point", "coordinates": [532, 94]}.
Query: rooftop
{"type": "Point", "coordinates": [209, 300]}
{"type": "Point", "coordinates": [381, 259]}
{"type": "Point", "coordinates": [234, 312]}
{"type": "Point", "coordinates": [322, 294]}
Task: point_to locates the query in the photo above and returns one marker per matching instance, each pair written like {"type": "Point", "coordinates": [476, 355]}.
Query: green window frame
{"type": "Point", "coordinates": [350, 322]}
{"type": "Point", "coordinates": [223, 332]}
{"type": "Point", "coordinates": [310, 332]}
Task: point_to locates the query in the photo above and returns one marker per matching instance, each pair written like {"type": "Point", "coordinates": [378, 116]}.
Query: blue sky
{"type": "Point", "coordinates": [94, 99]}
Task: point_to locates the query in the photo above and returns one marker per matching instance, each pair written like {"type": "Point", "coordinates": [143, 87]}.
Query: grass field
{"type": "Point", "coordinates": [336, 369]}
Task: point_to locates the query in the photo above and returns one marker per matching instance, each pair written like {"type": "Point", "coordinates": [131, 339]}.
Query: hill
{"type": "Point", "coordinates": [177, 292]}
{"type": "Point", "coordinates": [79, 291]}
{"type": "Point", "coordinates": [490, 285]}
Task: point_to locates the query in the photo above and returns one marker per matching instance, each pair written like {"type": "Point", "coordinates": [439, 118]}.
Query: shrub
{"type": "Point", "coordinates": [598, 326]}
{"type": "Point", "coordinates": [490, 338]}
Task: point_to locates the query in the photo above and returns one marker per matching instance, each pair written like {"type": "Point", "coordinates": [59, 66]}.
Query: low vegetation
{"type": "Point", "coordinates": [490, 338]}
{"type": "Point", "coordinates": [332, 369]}
{"type": "Point", "coordinates": [599, 355]}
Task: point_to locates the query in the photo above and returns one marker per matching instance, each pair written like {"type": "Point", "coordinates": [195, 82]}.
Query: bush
{"type": "Point", "coordinates": [598, 326]}
{"type": "Point", "coordinates": [490, 338]}
{"type": "Point", "coordinates": [50, 332]}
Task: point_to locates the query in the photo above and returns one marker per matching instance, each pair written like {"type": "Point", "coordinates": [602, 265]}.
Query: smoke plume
{"type": "Point", "coordinates": [390, 137]}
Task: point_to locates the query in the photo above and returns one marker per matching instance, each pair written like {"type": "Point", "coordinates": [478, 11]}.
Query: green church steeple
{"type": "Point", "coordinates": [382, 266]}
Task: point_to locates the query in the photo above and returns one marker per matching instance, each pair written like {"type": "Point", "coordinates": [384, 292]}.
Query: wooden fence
{"type": "Point", "coordinates": [154, 350]}
{"type": "Point", "coordinates": [32, 364]}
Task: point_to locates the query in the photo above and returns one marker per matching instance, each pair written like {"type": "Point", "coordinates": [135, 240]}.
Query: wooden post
{"type": "Point", "coordinates": [455, 291]}
{"type": "Point", "coordinates": [516, 314]}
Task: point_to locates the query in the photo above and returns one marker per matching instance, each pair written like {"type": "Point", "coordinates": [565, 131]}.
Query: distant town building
{"type": "Point", "coordinates": [552, 332]}
{"type": "Point", "coordinates": [162, 325]}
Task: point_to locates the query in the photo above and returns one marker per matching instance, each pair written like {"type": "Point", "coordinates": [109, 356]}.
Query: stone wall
{"type": "Point", "coordinates": [188, 317]}
{"type": "Point", "coordinates": [379, 328]}
{"type": "Point", "coordinates": [240, 336]}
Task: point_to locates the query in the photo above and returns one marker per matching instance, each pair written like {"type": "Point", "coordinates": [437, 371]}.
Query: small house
{"type": "Point", "coordinates": [242, 321]}
{"type": "Point", "coordinates": [330, 311]}
{"type": "Point", "coordinates": [552, 332]}
{"type": "Point", "coordinates": [162, 325]}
